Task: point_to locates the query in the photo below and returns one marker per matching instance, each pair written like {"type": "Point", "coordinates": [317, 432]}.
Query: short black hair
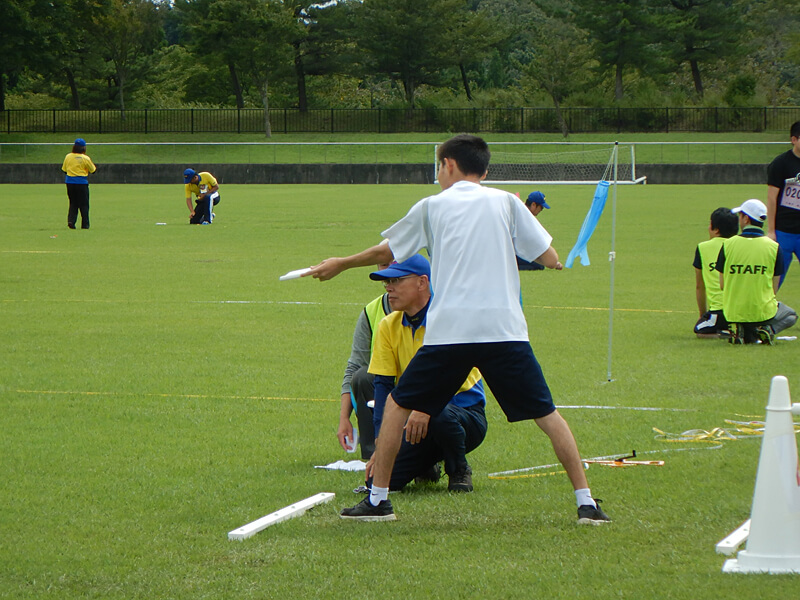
{"type": "Point", "coordinates": [470, 153]}
{"type": "Point", "coordinates": [725, 221]}
{"type": "Point", "coordinates": [794, 130]}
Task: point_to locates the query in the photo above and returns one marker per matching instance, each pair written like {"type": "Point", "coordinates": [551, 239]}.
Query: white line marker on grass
{"type": "Point", "coordinates": [291, 511]}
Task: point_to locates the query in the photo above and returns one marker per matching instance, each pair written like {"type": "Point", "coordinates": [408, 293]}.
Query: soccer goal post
{"type": "Point", "coordinates": [565, 163]}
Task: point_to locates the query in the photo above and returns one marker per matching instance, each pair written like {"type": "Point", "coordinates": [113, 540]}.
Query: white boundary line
{"type": "Point", "coordinates": [290, 512]}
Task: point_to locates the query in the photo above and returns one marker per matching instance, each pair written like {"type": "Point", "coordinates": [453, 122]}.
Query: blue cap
{"type": "Point", "coordinates": [80, 142]}
{"type": "Point", "coordinates": [536, 198]}
{"type": "Point", "coordinates": [188, 175]}
{"type": "Point", "coordinates": [416, 265]}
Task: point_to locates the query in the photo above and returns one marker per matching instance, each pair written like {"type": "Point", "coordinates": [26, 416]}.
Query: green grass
{"type": "Point", "coordinates": [161, 387]}
{"type": "Point", "coordinates": [372, 148]}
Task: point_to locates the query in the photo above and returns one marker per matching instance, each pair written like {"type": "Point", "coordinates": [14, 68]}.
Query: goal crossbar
{"type": "Point", "coordinates": [564, 163]}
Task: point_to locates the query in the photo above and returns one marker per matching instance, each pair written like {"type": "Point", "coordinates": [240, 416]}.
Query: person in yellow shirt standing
{"type": "Point", "coordinates": [77, 165]}
{"type": "Point", "coordinates": [205, 188]}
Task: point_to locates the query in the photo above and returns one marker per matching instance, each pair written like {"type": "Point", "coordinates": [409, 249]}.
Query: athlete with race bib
{"type": "Point", "coordinates": [783, 200]}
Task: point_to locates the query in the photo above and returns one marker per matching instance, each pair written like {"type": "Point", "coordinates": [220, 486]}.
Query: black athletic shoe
{"type": "Point", "coordinates": [589, 515]}
{"type": "Point", "coordinates": [461, 481]}
{"type": "Point", "coordinates": [431, 475]}
{"type": "Point", "coordinates": [364, 511]}
{"type": "Point", "coordinates": [71, 225]}
{"type": "Point", "coordinates": [765, 335]}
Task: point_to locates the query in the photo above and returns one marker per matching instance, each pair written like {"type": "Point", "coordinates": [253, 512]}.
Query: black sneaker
{"type": "Point", "coordinates": [589, 515]}
{"type": "Point", "coordinates": [765, 335]}
{"type": "Point", "coordinates": [431, 475]}
{"type": "Point", "coordinates": [461, 481]}
{"type": "Point", "coordinates": [364, 511]}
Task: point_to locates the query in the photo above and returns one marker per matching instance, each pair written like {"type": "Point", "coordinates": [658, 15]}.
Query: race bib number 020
{"type": "Point", "coordinates": [791, 194]}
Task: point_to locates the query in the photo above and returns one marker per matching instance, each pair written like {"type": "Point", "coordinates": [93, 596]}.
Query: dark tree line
{"type": "Point", "coordinates": [150, 53]}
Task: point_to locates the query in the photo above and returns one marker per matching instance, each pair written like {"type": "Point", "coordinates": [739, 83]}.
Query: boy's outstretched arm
{"type": "Point", "coordinates": [331, 267]}
{"type": "Point", "coordinates": [550, 259]}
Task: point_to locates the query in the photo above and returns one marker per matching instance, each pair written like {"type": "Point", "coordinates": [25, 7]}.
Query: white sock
{"type": "Point", "coordinates": [584, 498]}
{"type": "Point", "coordinates": [378, 495]}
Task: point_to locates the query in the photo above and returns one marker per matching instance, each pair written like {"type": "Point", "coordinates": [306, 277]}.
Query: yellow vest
{"type": "Point", "coordinates": [709, 251]}
{"type": "Point", "coordinates": [748, 295]}
{"type": "Point", "coordinates": [375, 312]}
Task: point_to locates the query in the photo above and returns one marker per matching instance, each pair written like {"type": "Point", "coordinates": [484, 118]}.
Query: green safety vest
{"type": "Point", "coordinates": [375, 311]}
{"type": "Point", "coordinates": [748, 295]}
{"type": "Point", "coordinates": [709, 251]}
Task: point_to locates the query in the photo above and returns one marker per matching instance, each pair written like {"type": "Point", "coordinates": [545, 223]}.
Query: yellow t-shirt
{"type": "Point", "coordinates": [205, 183]}
{"type": "Point", "coordinates": [396, 346]}
{"type": "Point", "coordinates": [77, 167]}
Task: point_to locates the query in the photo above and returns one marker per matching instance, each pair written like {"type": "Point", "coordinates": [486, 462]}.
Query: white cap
{"type": "Point", "coordinates": [755, 209]}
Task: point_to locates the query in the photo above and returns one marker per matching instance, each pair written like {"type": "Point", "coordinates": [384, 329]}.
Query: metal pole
{"type": "Point", "coordinates": [612, 258]}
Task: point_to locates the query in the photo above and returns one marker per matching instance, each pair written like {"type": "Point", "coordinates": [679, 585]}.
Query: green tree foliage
{"type": "Point", "coordinates": [561, 59]}
{"type": "Point", "coordinates": [774, 47]}
{"type": "Point", "coordinates": [253, 38]}
{"type": "Point", "coordinates": [127, 32]}
{"type": "Point", "coordinates": [25, 37]}
{"type": "Point", "coordinates": [301, 53]}
{"type": "Point", "coordinates": [623, 36]}
{"type": "Point", "coordinates": [408, 40]}
{"type": "Point", "coordinates": [700, 32]}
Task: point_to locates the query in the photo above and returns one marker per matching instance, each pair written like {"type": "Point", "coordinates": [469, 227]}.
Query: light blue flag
{"type": "Point", "coordinates": [589, 225]}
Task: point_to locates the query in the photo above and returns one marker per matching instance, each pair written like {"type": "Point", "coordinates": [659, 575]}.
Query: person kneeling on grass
{"type": "Point", "coordinates": [461, 426]}
{"type": "Point", "coordinates": [205, 188]}
{"type": "Point", "coordinates": [712, 324]}
{"type": "Point", "coordinates": [750, 266]}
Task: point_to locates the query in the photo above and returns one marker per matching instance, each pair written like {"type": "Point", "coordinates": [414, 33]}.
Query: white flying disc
{"type": "Point", "coordinates": [295, 274]}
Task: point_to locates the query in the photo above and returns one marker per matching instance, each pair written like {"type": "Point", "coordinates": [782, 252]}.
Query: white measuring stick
{"type": "Point", "coordinates": [294, 274]}
{"type": "Point", "coordinates": [729, 545]}
{"type": "Point", "coordinates": [291, 511]}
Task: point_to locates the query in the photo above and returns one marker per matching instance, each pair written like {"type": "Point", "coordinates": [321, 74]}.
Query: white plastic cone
{"type": "Point", "coordinates": [773, 544]}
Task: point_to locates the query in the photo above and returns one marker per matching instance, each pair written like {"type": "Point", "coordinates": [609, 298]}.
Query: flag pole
{"type": "Point", "coordinates": [612, 258]}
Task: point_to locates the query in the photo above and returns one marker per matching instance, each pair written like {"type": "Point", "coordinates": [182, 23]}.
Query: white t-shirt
{"type": "Point", "coordinates": [472, 234]}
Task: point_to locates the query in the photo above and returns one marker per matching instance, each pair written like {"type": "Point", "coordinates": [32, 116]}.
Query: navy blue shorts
{"type": "Point", "coordinates": [510, 370]}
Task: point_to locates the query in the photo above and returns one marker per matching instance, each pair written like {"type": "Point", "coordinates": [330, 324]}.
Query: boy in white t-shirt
{"type": "Point", "coordinates": [473, 235]}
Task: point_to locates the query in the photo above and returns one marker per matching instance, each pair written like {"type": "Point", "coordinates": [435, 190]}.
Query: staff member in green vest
{"type": "Point", "coordinates": [750, 267]}
{"type": "Point", "coordinates": [77, 165]}
{"type": "Point", "coordinates": [357, 384]}
{"type": "Point", "coordinates": [723, 225]}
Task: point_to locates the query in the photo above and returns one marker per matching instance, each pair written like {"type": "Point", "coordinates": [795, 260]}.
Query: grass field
{"type": "Point", "coordinates": [161, 387]}
{"type": "Point", "coordinates": [680, 148]}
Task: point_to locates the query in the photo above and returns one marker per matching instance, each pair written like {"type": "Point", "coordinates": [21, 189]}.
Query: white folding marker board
{"type": "Point", "coordinates": [284, 514]}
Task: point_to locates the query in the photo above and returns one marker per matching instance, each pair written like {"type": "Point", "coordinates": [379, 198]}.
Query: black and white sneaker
{"type": "Point", "coordinates": [590, 515]}
{"type": "Point", "coordinates": [364, 511]}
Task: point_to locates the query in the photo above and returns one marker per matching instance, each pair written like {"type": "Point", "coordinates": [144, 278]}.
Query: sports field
{"type": "Point", "coordinates": [161, 388]}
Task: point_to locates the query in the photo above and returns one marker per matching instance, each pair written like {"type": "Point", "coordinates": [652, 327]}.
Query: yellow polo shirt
{"type": "Point", "coordinates": [396, 345]}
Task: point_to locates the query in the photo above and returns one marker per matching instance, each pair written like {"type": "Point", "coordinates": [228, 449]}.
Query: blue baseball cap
{"type": "Point", "coordinates": [537, 198]}
{"type": "Point", "coordinates": [80, 142]}
{"type": "Point", "coordinates": [188, 175]}
{"type": "Point", "coordinates": [416, 265]}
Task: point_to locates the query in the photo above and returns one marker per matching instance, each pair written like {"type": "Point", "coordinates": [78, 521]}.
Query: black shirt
{"type": "Point", "coordinates": [785, 166]}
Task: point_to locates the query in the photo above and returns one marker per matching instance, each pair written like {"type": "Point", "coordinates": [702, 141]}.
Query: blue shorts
{"type": "Point", "coordinates": [790, 245]}
{"type": "Point", "coordinates": [510, 369]}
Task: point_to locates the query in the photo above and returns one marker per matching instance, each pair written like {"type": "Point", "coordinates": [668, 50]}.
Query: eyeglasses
{"type": "Point", "coordinates": [395, 280]}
